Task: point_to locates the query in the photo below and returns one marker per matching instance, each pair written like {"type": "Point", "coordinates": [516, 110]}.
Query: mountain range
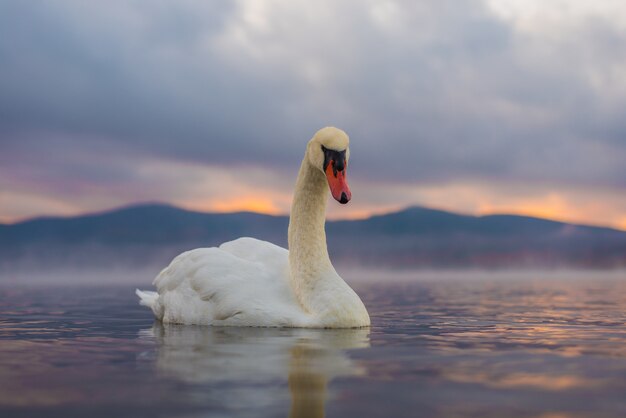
{"type": "Point", "coordinates": [417, 237]}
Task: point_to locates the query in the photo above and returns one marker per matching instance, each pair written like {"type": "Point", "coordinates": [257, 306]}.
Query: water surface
{"type": "Point", "coordinates": [451, 348]}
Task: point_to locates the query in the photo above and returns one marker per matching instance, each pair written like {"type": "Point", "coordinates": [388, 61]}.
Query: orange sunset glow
{"type": "Point", "coordinates": [240, 204]}
{"type": "Point", "coordinates": [604, 208]}
{"type": "Point", "coordinates": [547, 210]}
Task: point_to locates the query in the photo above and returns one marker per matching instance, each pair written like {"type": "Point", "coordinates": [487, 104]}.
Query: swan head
{"type": "Point", "coordinates": [329, 151]}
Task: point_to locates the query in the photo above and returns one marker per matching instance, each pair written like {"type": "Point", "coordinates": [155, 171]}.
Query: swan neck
{"type": "Point", "coordinates": [320, 291]}
{"type": "Point", "coordinates": [308, 253]}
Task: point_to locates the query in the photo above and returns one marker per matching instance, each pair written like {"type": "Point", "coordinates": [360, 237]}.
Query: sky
{"type": "Point", "coordinates": [494, 106]}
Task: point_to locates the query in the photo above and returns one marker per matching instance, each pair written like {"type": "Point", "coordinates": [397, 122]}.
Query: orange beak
{"type": "Point", "coordinates": [337, 183]}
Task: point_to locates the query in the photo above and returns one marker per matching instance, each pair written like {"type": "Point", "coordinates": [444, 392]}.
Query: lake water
{"type": "Point", "coordinates": [437, 348]}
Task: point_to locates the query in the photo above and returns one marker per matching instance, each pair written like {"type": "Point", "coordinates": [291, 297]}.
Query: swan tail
{"type": "Point", "coordinates": [149, 299]}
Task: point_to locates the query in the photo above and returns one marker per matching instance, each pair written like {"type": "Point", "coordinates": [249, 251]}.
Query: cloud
{"type": "Point", "coordinates": [431, 93]}
{"type": "Point", "coordinates": [76, 180]}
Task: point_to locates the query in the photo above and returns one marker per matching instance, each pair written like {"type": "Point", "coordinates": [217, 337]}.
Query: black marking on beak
{"type": "Point", "coordinates": [344, 198]}
{"type": "Point", "coordinates": [337, 158]}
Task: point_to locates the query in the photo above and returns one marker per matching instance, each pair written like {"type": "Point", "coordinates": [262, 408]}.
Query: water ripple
{"type": "Point", "coordinates": [451, 348]}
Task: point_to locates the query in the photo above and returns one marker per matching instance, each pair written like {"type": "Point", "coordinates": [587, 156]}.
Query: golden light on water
{"type": "Point", "coordinates": [521, 380]}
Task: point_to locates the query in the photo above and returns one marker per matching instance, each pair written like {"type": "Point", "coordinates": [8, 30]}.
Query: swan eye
{"type": "Point", "coordinates": [338, 159]}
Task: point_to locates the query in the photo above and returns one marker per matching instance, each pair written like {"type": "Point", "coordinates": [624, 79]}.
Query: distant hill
{"type": "Point", "coordinates": [137, 236]}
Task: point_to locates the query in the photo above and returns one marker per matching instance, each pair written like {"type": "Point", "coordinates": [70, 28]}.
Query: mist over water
{"type": "Point", "coordinates": [458, 346]}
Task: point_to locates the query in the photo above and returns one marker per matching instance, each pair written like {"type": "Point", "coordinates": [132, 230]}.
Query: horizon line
{"type": "Point", "coordinates": [367, 215]}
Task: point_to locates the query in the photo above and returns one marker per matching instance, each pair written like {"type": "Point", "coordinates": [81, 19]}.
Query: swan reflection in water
{"type": "Point", "coordinates": [258, 358]}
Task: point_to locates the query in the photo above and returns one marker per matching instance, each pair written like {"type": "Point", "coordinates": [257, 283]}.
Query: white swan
{"type": "Point", "coordinates": [248, 282]}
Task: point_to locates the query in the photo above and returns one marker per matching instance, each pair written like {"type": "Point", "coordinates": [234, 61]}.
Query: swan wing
{"type": "Point", "coordinates": [241, 282]}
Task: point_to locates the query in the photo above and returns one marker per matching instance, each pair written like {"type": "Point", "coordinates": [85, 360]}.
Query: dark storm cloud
{"type": "Point", "coordinates": [427, 90]}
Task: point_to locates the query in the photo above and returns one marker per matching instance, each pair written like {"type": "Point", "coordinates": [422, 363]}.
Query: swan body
{"type": "Point", "coordinates": [249, 282]}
